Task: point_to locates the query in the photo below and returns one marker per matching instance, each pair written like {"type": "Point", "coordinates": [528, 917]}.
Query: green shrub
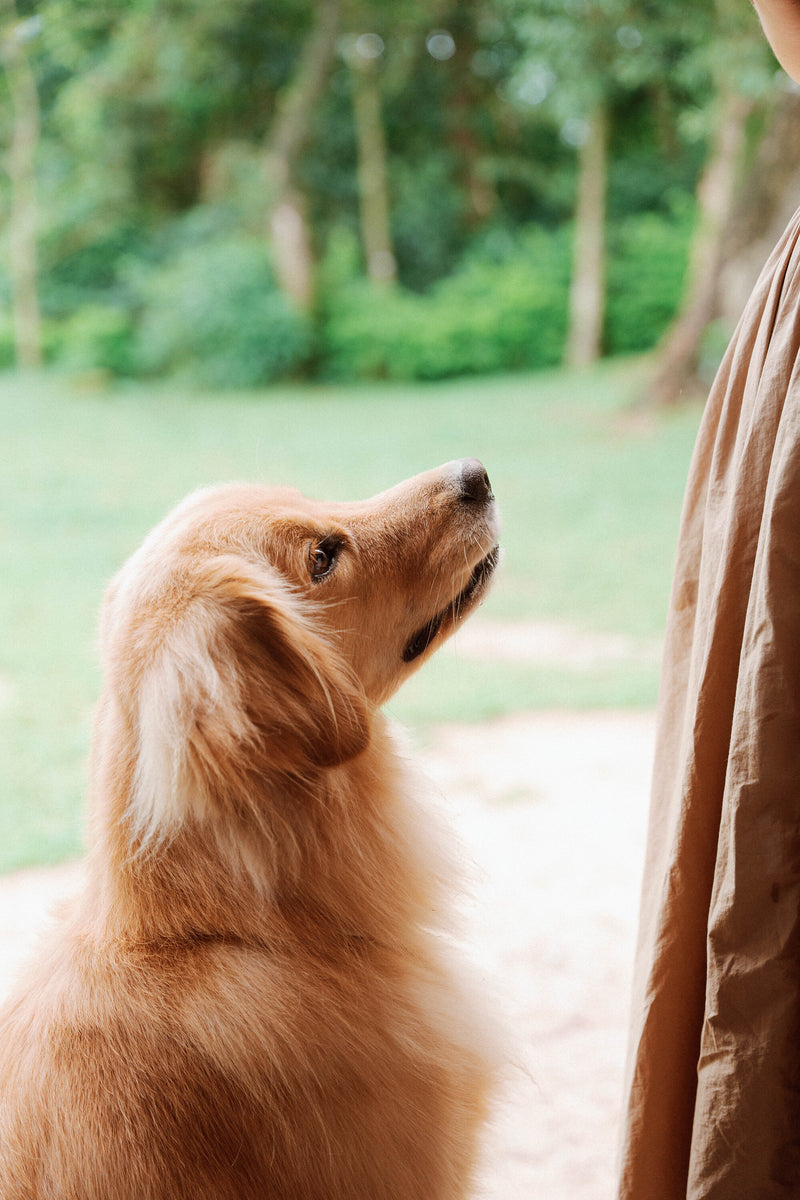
{"type": "Point", "coordinates": [504, 309]}
{"type": "Point", "coordinates": [646, 268]}
{"type": "Point", "coordinates": [88, 275]}
{"type": "Point", "coordinates": [95, 337]}
{"type": "Point", "coordinates": [213, 315]}
{"type": "Point", "coordinates": [7, 350]}
{"type": "Point", "coordinates": [199, 301]}
{"type": "Point", "coordinates": [427, 219]}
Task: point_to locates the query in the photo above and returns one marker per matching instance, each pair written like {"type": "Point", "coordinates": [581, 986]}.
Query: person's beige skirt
{"type": "Point", "coordinates": [713, 1084]}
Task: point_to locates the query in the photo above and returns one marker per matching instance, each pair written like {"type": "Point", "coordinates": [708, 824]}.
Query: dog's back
{"type": "Point", "coordinates": [308, 1065]}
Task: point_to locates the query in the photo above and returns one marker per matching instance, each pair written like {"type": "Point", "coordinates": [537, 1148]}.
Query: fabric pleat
{"type": "Point", "coordinates": [713, 1081]}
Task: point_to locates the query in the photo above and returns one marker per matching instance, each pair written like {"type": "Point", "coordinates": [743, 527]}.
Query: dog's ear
{"type": "Point", "coordinates": [241, 689]}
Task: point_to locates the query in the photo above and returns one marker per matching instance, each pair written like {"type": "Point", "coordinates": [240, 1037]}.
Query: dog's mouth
{"type": "Point", "coordinates": [419, 642]}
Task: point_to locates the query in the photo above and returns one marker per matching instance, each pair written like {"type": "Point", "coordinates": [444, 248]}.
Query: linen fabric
{"type": "Point", "coordinates": [712, 1105]}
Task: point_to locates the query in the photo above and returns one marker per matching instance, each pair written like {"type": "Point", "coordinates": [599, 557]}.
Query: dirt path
{"type": "Point", "coordinates": [553, 809]}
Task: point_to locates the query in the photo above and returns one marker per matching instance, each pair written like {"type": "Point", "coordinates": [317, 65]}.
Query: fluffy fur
{"type": "Point", "coordinates": [249, 999]}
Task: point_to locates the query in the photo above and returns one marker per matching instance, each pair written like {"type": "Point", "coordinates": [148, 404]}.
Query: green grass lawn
{"type": "Point", "coordinates": [590, 501]}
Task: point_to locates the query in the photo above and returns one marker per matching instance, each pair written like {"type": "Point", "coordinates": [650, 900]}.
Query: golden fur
{"type": "Point", "coordinates": [250, 999]}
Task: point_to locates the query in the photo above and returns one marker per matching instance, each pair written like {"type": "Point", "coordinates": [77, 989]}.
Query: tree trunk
{"type": "Point", "coordinates": [764, 205]}
{"type": "Point", "coordinates": [286, 215]}
{"type": "Point", "coordinates": [679, 353]}
{"type": "Point", "coordinates": [467, 99]}
{"type": "Point", "coordinates": [587, 289]}
{"type": "Point", "coordinates": [22, 179]}
{"type": "Point", "coordinates": [373, 185]}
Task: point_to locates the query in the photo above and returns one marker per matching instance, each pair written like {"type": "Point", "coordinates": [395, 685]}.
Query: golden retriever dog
{"type": "Point", "coordinates": [252, 998]}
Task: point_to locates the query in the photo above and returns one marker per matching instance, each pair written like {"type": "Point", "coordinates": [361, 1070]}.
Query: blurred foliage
{"type": "Point", "coordinates": [153, 252]}
{"type": "Point", "coordinates": [501, 310]}
{"type": "Point", "coordinates": [589, 499]}
{"type": "Point", "coordinates": [210, 312]}
{"type": "Point", "coordinates": [646, 269]}
{"type": "Point", "coordinates": [504, 308]}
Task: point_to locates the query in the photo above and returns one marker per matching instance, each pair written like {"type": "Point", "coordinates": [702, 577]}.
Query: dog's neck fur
{"type": "Point", "coordinates": [215, 890]}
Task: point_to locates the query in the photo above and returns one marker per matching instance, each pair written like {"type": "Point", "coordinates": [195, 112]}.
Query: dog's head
{"type": "Point", "coordinates": [254, 629]}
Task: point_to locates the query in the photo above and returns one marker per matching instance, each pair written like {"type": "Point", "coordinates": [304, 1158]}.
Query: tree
{"type": "Point", "coordinates": [382, 52]}
{"type": "Point", "coordinates": [680, 349]}
{"type": "Point", "coordinates": [21, 165]}
{"type": "Point", "coordinates": [587, 286]}
{"type": "Point", "coordinates": [169, 89]}
{"type": "Point", "coordinates": [167, 127]}
{"type": "Point", "coordinates": [583, 59]}
{"type": "Point", "coordinates": [736, 62]}
{"type": "Point", "coordinates": [764, 203]}
{"type": "Point", "coordinates": [363, 56]}
{"type": "Point", "coordinates": [285, 142]}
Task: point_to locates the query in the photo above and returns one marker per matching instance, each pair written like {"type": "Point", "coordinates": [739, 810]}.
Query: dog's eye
{"type": "Point", "coordinates": [322, 558]}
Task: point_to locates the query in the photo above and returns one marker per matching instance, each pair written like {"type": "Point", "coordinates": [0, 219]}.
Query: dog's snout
{"type": "Point", "coordinates": [475, 485]}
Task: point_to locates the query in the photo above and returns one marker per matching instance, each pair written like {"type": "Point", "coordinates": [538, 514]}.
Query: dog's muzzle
{"type": "Point", "coordinates": [474, 488]}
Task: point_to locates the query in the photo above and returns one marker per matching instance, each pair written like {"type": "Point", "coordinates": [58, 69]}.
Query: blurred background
{"type": "Point", "coordinates": [348, 190]}
{"type": "Point", "coordinates": [333, 244]}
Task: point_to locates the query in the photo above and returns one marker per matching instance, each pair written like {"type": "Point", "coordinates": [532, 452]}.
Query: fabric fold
{"type": "Point", "coordinates": [713, 1080]}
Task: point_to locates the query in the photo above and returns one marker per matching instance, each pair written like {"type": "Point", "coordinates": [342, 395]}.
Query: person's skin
{"type": "Point", "coordinates": [780, 20]}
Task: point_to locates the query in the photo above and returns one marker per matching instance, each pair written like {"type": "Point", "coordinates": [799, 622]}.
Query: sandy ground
{"type": "Point", "coordinates": [552, 808]}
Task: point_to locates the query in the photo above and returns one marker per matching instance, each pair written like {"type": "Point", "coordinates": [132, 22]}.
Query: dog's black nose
{"type": "Point", "coordinates": [475, 485]}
